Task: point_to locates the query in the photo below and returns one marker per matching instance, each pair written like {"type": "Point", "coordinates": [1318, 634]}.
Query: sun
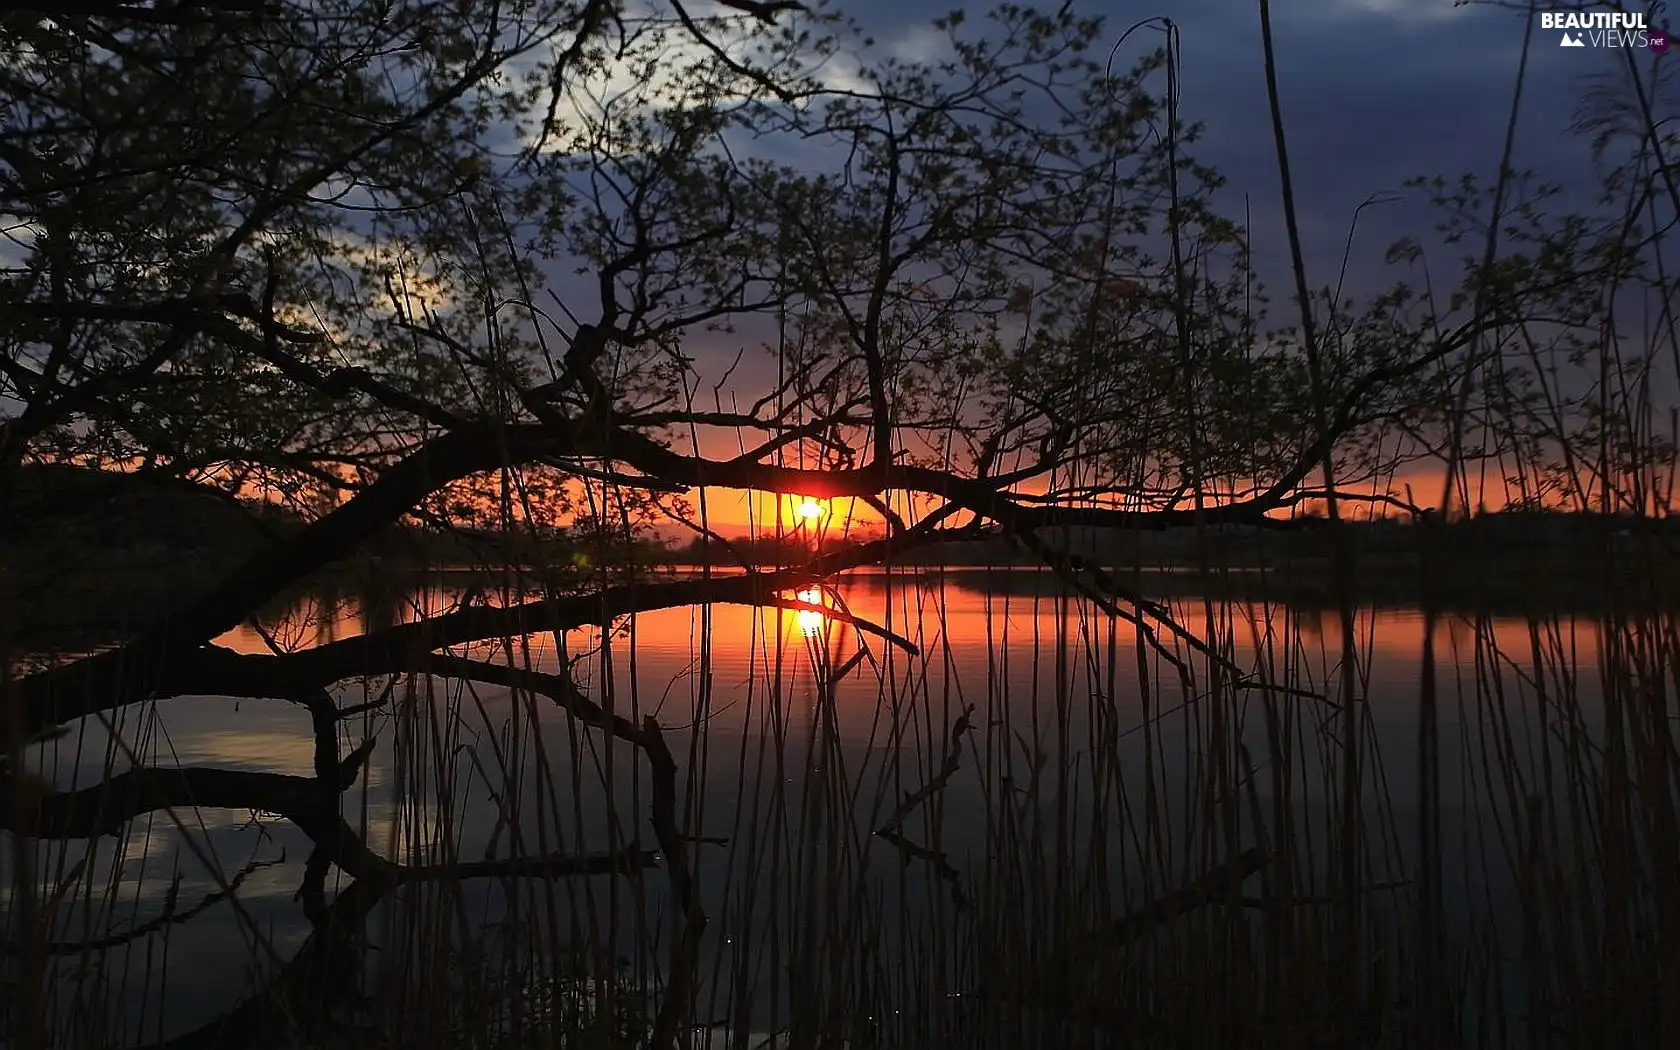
{"type": "Point", "coordinates": [810, 510]}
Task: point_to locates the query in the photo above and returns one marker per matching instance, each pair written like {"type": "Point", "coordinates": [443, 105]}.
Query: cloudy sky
{"type": "Point", "coordinates": [1374, 92]}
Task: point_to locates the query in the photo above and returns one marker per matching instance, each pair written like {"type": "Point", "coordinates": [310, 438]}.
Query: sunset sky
{"type": "Point", "coordinates": [1375, 92]}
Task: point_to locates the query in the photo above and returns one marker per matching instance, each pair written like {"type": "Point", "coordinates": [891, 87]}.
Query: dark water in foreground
{"type": "Point", "coordinates": [1054, 686]}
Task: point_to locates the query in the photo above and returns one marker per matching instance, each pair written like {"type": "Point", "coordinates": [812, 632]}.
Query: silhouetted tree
{"type": "Point", "coordinates": [468, 264]}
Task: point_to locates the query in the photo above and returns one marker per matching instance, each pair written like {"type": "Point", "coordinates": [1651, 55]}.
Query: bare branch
{"type": "Point", "coordinates": [169, 916]}
{"type": "Point", "coordinates": [891, 830]}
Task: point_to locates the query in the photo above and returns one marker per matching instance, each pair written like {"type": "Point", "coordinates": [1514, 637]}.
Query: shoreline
{"type": "Point", "coordinates": [88, 609]}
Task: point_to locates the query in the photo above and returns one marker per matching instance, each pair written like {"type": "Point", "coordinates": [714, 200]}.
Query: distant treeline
{"type": "Point", "coordinates": [1502, 534]}
{"type": "Point", "coordinates": [88, 554]}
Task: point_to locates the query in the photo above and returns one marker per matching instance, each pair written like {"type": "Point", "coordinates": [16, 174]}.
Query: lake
{"type": "Point", "coordinates": [1092, 776]}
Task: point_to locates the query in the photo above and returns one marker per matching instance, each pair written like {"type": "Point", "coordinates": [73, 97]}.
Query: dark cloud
{"type": "Point", "coordinates": [1373, 98]}
{"type": "Point", "coordinates": [1374, 92]}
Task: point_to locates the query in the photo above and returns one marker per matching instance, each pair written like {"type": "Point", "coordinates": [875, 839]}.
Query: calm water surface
{"type": "Point", "coordinates": [1054, 683]}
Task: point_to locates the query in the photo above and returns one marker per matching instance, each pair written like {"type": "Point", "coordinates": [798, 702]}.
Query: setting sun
{"type": "Point", "coordinates": [810, 510]}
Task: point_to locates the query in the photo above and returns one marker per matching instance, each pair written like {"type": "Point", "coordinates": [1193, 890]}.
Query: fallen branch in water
{"type": "Point", "coordinates": [892, 830]}
{"type": "Point", "coordinates": [295, 1005]}
{"type": "Point", "coordinates": [649, 738]}
{"type": "Point", "coordinates": [1062, 978]}
{"type": "Point", "coordinates": [168, 917]}
{"type": "Point", "coordinates": [104, 808]}
{"type": "Point", "coordinates": [947, 770]}
{"type": "Point", "coordinates": [1207, 888]}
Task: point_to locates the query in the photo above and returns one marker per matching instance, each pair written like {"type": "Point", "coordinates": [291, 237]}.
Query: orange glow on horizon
{"type": "Point", "coordinates": [737, 511]}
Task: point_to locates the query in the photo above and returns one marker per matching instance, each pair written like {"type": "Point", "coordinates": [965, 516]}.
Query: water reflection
{"type": "Point", "coordinates": [1039, 669]}
{"type": "Point", "coordinates": [809, 620]}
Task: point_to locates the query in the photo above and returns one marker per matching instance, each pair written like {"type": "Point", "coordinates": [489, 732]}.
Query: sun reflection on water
{"type": "Point", "coordinates": [810, 621]}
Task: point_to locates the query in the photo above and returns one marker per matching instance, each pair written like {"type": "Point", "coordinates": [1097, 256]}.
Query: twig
{"type": "Point", "coordinates": [891, 830]}
{"type": "Point", "coordinates": [168, 917]}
